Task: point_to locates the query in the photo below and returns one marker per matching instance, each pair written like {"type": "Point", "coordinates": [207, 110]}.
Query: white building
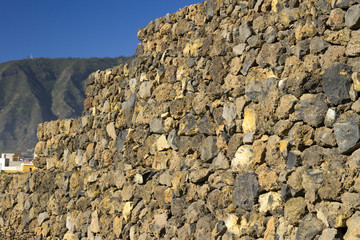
{"type": "Point", "coordinates": [9, 164]}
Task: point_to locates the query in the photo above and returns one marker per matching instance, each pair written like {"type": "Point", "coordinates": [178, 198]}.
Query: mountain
{"type": "Point", "coordinates": [42, 89]}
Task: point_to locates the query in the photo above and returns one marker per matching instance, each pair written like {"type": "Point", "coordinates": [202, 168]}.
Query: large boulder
{"type": "Point", "coordinates": [337, 82]}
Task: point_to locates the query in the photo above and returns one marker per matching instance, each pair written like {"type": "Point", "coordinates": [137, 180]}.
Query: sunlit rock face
{"type": "Point", "coordinates": [236, 120]}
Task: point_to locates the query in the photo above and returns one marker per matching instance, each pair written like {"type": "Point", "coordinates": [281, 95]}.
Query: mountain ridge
{"type": "Point", "coordinates": [42, 89]}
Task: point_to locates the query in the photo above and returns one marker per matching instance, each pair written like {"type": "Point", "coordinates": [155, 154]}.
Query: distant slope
{"type": "Point", "coordinates": [38, 90]}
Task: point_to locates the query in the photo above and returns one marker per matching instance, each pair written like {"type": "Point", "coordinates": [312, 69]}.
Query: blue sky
{"type": "Point", "coordinates": [76, 28]}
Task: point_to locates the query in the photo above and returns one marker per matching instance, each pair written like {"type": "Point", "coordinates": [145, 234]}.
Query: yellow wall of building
{"type": "Point", "coordinates": [27, 168]}
{"type": "Point", "coordinates": [24, 168]}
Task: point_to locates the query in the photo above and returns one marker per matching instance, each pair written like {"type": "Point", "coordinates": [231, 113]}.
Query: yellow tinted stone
{"type": "Point", "coordinates": [249, 123]}
{"type": "Point", "coordinates": [127, 210]}
{"type": "Point", "coordinates": [356, 79]}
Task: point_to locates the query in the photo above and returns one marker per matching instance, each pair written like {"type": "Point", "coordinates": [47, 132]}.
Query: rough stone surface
{"type": "Point", "coordinates": [208, 150]}
{"type": "Point", "coordinates": [309, 227]}
{"type": "Point", "coordinates": [243, 157]}
{"type": "Point", "coordinates": [336, 83]}
{"type": "Point", "coordinates": [317, 45]}
{"type": "Point", "coordinates": [347, 133]}
{"type": "Point", "coordinates": [352, 17]}
{"type": "Point", "coordinates": [246, 191]}
{"type": "Point", "coordinates": [229, 114]}
{"type": "Point", "coordinates": [42, 217]}
{"type": "Point", "coordinates": [333, 214]}
{"type": "Point", "coordinates": [336, 19]}
{"type": "Point", "coordinates": [328, 233]}
{"type": "Point", "coordinates": [235, 120]}
{"type": "Point", "coordinates": [312, 109]}
{"type": "Point", "coordinates": [325, 137]}
{"type": "Point", "coordinates": [157, 125]}
{"type": "Point", "coordinates": [353, 47]}
{"type": "Point", "coordinates": [294, 210]}
{"type": "Point", "coordinates": [269, 55]}
{"type": "Point", "coordinates": [269, 202]}
{"type": "Point", "coordinates": [353, 227]}
{"type": "Point", "coordinates": [333, 55]}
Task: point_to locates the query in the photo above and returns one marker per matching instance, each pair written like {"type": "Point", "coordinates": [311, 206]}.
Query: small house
{"type": "Point", "coordinates": [11, 163]}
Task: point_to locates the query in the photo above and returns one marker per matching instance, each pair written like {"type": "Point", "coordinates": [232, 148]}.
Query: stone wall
{"type": "Point", "coordinates": [236, 120]}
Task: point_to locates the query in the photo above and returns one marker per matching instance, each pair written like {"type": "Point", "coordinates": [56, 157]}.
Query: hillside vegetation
{"type": "Point", "coordinates": [38, 90]}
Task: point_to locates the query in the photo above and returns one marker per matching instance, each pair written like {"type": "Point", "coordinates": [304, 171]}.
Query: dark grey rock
{"type": "Point", "coordinates": [311, 182]}
{"type": "Point", "coordinates": [255, 40]}
{"type": "Point", "coordinates": [161, 71]}
{"type": "Point", "coordinates": [188, 125]}
{"type": "Point", "coordinates": [217, 71]}
{"type": "Point", "coordinates": [282, 127]}
{"type": "Point", "coordinates": [255, 91]}
{"type": "Point", "coordinates": [217, 115]}
{"type": "Point", "coordinates": [249, 61]}
{"type": "Point", "coordinates": [295, 84]}
{"type": "Point", "coordinates": [270, 54]}
{"type": "Point", "coordinates": [285, 192]}
{"type": "Point", "coordinates": [318, 45]}
{"type": "Point", "coordinates": [208, 149]}
{"type": "Point", "coordinates": [336, 82]}
{"type": "Point", "coordinates": [157, 125]}
{"type": "Point", "coordinates": [233, 145]}
{"type": "Point", "coordinates": [130, 103]}
{"type": "Point", "coordinates": [270, 34]}
{"type": "Point", "coordinates": [245, 31]}
{"type": "Point", "coordinates": [246, 191]}
{"type": "Point", "coordinates": [172, 139]}
{"type": "Point", "coordinates": [189, 144]}
{"type": "Point", "coordinates": [302, 48]}
{"type": "Point", "coordinates": [211, 9]}
{"type": "Point", "coordinates": [313, 156]}
{"type": "Point", "coordinates": [195, 211]}
{"type": "Point", "coordinates": [121, 139]}
{"type": "Point", "coordinates": [205, 127]}
{"type": "Point", "coordinates": [177, 207]}
{"type": "Point", "coordinates": [347, 133]}
{"type": "Point", "coordinates": [190, 62]}
{"type": "Point", "coordinates": [352, 17]}
{"type": "Point", "coordinates": [323, 6]}
{"type": "Point", "coordinates": [331, 186]}
{"type": "Point", "coordinates": [312, 109]}
{"type": "Point", "coordinates": [139, 49]}
{"type": "Point", "coordinates": [204, 227]}
{"type": "Point", "coordinates": [309, 227]}
{"type": "Point", "coordinates": [293, 159]}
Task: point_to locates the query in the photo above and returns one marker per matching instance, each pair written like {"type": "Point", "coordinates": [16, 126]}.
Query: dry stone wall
{"type": "Point", "coordinates": [236, 120]}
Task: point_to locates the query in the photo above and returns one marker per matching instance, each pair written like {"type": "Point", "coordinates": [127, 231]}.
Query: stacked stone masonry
{"type": "Point", "coordinates": [235, 120]}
